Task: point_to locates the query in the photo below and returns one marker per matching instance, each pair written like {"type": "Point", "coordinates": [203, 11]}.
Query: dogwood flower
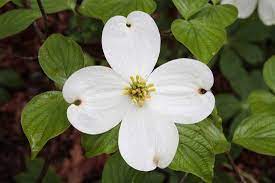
{"type": "Point", "coordinates": [266, 9]}
{"type": "Point", "coordinates": [148, 104]}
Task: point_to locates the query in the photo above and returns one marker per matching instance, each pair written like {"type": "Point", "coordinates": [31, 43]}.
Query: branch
{"type": "Point", "coordinates": [47, 162]}
{"type": "Point", "coordinates": [235, 167]}
{"type": "Point", "coordinates": [166, 33]}
{"type": "Point", "coordinates": [182, 180]}
{"type": "Point", "coordinates": [44, 170]}
{"type": "Point", "coordinates": [40, 34]}
{"type": "Point", "coordinates": [45, 18]}
{"type": "Point", "coordinates": [25, 57]}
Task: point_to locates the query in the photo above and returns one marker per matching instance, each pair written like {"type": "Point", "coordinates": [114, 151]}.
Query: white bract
{"type": "Point", "coordinates": [148, 104]}
{"type": "Point", "coordinates": [266, 9]}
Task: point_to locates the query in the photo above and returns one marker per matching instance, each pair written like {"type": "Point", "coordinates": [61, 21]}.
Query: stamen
{"type": "Point", "coordinates": [152, 89]}
{"type": "Point", "coordinates": [138, 90]}
{"type": "Point", "coordinates": [150, 85]}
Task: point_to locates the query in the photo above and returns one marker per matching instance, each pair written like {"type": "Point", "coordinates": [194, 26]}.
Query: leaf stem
{"type": "Point", "coordinates": [45, 18]}
{"type": "Point", "coordinates": [44, 170]}
{"type": "Point", "coordinates": [25, 57]}
{"type": "Point", "coordinates": [166, 33]}
{"type": "Point", "coordinates": [41, 36]}
{"type": "Point", "coordinates": [182, 180]}
{"type": "Point", "coordinates": [47, 162]}
{"type": "Point", "coordinates": [235, 167]}
{"type": "Point", "coordinates": [38, 32]}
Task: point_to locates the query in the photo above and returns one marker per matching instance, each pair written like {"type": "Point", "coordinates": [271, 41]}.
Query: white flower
{"type": "Point", "coordinates": [266, 9]}
{"type": "Point", "coordinates": [148, 104]}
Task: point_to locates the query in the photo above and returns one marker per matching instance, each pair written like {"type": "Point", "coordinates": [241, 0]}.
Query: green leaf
{"type": "Point", "coordinates": [269, 73]}
{"type": "Point", "coordinates": [261, 102]}
{"type": "Point", "coordinates": [195, 154]}
{"type": "Point", "coordinates": [257, 133]}
{"type": "Point", "coordinates": [4, 95]}
{"type": "Point", "coordinates": [217, 120]}
{"type": "Point", "coordinates": [88, 60]}
{"type": "Point", "coordinates": [220, 15]}
{"type": "Point", "coordinates": [15, 21]}
{"type": "Point", "coordinates": [55, 6]}
{"type": "Point", "coordinates": [44, 118]}
{"type": "Point", "coordinates": [257, 80]}
{"type": "Point", "coordinates": [106, 9]}
{"type": "Point", "coordinates": [251, 53]}
{"type": "Point", "coordinates": [187, 8]}
{"type": "Point", "coordinates": [50, 6]}
{"type": "Point", "coordinates": [9, 78]}
{"type": "Point", "coordinates": [202, 39]}
{"type": "Point", "coordinates": [252, 30]}
{"type": "Point", "coordinates": [98, 144]}
{"type": "Point", "coordinates": [3, 2]}
{"type": "Point", "coordinates": [34, 168]}
{"type": "Point", "coordinates": [214, 136]}
{"type": "Point", "coordinates": [149, 177]}
{"type": "Point", "coordinates": [116, 170]}
{"type": "Point", "coordinates": [215, 1]}
{"type": "Point", "coordinates": [80, 29]}
{"type": "Point", "coordinates": [222, 176]}
{"type": "Point", "coordinates": [232, 68]}
{"type": "Point", "coordinates": [59, 57]}
{"type": "Point", "coordinates": [228, 105]}
{"type": "Point", "coordinates": [236, 121]}
{"type": "Point", "coordinates": [192, 179]}
{"type": "Point", "coordinates": [235, 151]}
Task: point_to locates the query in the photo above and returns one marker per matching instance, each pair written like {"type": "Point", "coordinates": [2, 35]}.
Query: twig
{"type": "Point", "coordinates": [235, 168]}
{"type": "Point", "coordinates": [44, 15]}
{"type": "Point", "coordinates": [243, 173]}
{"type": "Point", "coordinates": [94, 50]}
{"type": "Point", "coordinates": [166, 33]}
{"type": "Point", "coordinates": [47, 162]}
{"type": "Point", "coordinates": [249, 177]}
{"type": "Point", "coordinates": [38, 32]}
{"type": "Point", "coordinates": [182, 180]}
{"type": "Point", "coordinates": [44, 170]}
{"type": "Point", "coordinates": [26, 3]}
{"type": "Point", "coordinates": [165, 172]}
{"type": "Point", "coordinates": [25, 58]}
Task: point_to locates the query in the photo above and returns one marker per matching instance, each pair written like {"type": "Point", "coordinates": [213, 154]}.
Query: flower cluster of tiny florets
{"type": "Point", "coordinates": [139, 90]}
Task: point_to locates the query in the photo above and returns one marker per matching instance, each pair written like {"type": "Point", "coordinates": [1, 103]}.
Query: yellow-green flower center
{"type": "Point", "coordinates": [139, 90]}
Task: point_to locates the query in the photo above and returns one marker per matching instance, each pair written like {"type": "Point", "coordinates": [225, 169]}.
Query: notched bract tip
{"type": "Point", "coordinates": [128, 25]}
{"type": "Point", "coordinates": [77, 102]}
{"type": "Point", "coordinates": [202, 91]}
{"type": "Point", "coordinates": [156, 160]}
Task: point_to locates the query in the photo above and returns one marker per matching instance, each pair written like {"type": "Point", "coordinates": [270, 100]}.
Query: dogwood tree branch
{"type": "Point", "coordinates": [47, 161]}
{"type": "Point", "coordinates": [44, 170]}
{"type": "Point", "coordinates": [235, 167]}
{"type": "Point", "coordinates": [182, 180]}
{"type": "Point", "coordinates": [166, 33]}
{"type": "Point", "coordinates": [44, 15]}
{"type": "Point", "coordinates": [25, 57]}
{"type": "Point", "coordinates": [40, 34]}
